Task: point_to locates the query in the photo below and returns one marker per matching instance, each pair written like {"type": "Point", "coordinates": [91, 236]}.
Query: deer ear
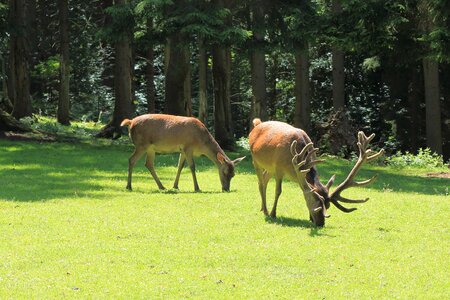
{"type": "Point", "coordinates": [220, 158]}
{"type": "Point", "coordinates": [238, 160]}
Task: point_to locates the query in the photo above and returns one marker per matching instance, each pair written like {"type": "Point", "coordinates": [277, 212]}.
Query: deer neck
{"type": "Point", "coordinates": [212, 150]}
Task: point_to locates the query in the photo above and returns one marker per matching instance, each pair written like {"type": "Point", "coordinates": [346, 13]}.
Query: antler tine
{"type": "Point", "coordinates": [342, 208]}
{"type": "Point", "coordinates": [322, 207]}
{"type": "Point", "coordinates": [345, 200]}
{"type": "Point", "coordinates": [376, 155]}
{"type": "Point", "coordinates": [313, 162]}
{"type": "Point", "coordinates": [365, 182]}
{"type": "Point", "coordinates": [330, 182]}
{"type": "Point", "coordinates": [365, 155]}
{"type": "Point", "coordinates": [293, 148]}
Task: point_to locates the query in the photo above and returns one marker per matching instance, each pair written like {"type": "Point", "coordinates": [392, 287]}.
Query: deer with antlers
{"type": "Point", "coordinates": [280, 150]}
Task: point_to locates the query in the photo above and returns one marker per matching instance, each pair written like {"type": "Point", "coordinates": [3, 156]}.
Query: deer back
{"type": "Point", "coordinates": [270, 146]}
{"type": "Point", "coordinates": [167, 133]}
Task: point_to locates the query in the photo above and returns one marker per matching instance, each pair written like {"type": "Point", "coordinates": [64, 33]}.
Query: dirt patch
{"type": "Point", "coordinates": [439, 175]}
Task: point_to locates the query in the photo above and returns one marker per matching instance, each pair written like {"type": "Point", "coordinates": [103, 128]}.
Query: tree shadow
{"type": "Point", "coordinates": [299, 223]}
{"type": "Point", "coordinates": [35, 171]}
{"type": "Point", "coordinates": [388, 179]}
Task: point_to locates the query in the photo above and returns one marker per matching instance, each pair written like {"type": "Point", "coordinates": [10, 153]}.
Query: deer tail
{"type": "Point", "coordinates": [256, 122]}
{"type": "Point", "coordinates": [125, 122]}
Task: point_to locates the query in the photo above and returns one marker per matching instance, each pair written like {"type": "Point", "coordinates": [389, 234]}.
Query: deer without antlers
{"type": "Point", "coordinates": [280, 150]}
{"type": "Point", "coordinates": [159, 133]}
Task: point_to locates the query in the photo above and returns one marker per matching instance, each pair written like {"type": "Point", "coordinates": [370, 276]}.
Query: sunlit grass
{"type": "Point", "coordinates": [69, 228]}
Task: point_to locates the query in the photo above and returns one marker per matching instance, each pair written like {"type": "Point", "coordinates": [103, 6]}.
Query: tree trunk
{"type": "Point", "coordinates": [272, 95]}
{"type": "Point", "coordinates": [150, 73]}
{"type": "Point", "coordinates": [258, 64]}
{"type": "Point", "coordinates": [9, 123]}
{"type": "Point", "coordinates": [5, 103]}
{"type": "Point", "coordinates": [338, 67]}
{"type": "Point", "coordinates": [432, 103]}
{"type": "Point", "coordinates": [64, 83]}
{"type": "Point", "coordinates": [431, 84]}
{"type": "Point", "coordinates": [202, 82]}
{"type": "Point", "coordinates": [19, 69]}
{"type": "Point", "coordinates": [222, 106]}
{"type": "Point", "coordinates": [302, 88]}
{"type": "Point", "coordinates": [187, 85]}
{"type": "Point", "coordinates": [414, 97]}
{"type": "Point", "coordinates": [123, 107]}
{"type": "Point", "coordinates": [177, 69]}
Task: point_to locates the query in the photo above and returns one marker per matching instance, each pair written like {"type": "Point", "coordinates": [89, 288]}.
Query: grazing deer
{"type": "Point", "coordinates": [281, 150]}
{"type": "Point", "coordinates": [158, 133]}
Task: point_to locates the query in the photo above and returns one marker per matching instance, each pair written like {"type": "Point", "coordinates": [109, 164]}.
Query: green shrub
{"type": "Point", "coordinates": [425, 158]}
{"type": "Point", "coordinates": [243, 143]}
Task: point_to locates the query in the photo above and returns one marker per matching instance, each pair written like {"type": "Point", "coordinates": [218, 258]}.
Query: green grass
{"type": "Point", "coordinates": [69, 229]}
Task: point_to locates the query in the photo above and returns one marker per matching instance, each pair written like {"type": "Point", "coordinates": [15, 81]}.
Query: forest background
{"type": "Point", "coordinates": [383, 65]}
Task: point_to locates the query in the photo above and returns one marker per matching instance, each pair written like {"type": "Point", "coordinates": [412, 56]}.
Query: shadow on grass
{"type": "Point", "coordinates": [388, 178]}
{"type": "Point", "coordinates": [175, 192]}
{"type": "Point", "coordinates": [299, 223]}
{"type": "Point", "coordinates": [33, 171]}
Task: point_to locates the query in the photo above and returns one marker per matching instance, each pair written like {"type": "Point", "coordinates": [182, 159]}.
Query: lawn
{"type": "Point", "coordinates": [70, 229]}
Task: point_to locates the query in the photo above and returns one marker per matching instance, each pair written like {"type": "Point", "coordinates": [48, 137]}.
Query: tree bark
{"type": "Point", "coordinates": [9, 123]}
{"type": "Point", "coordinates": [431, 84]}
{"type": "Point", "coordinates": [338, 67]}
{"type": "Point", "coordinates": [123, 107]}
{"type": "Point", "coordinates": [272, 82]}
{"type": "Point", "coordinates": [258, 64]}
{"type": "Point", "coordinates": [5, 103]}
{"type": "Point", "coordinates": [432, 104]}
{"type": "Point", "coordinates": [64, 75]}
{"type": "Point", "coordinates": [187, 85]}
{"type": "Point", "coordinates": [414, 99]}
{"type": "Point", "coordinates": [202, 82]}
{"type": "Point", "coordinates": [302, 89]}
{"type": "Point", "coordinates": [18, 64]}
{"type": "Point", "coordinates": [150, 73]}
{"type": "Point", "coordinates": [222, 106]}
{"type": "Point", "coordinates": [177, 69]}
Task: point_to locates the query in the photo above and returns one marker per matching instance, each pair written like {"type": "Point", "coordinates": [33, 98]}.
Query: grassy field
{"type": "Point", "coordinates": [70, 229]}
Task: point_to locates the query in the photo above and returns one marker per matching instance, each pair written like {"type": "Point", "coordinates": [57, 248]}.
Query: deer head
{"type": "Point", "coordinates": [318, 197]}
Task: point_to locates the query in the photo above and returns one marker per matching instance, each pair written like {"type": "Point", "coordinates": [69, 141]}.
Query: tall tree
{"type": "Point", "coordinates": [64, 65]}
{"type": "Point", "coordinates": [187, 87]}
{"type": "Point", "coordinates": [257, 61]}
{"type": "Point", "coordinates": [149, 71]}
{"type": "Point", "coordinates": [19, 73]}
{"type": "Point", "coordinates": [177, 71]}
{"type": "Point", "coordinates": [338, 65]}
{"type": "Point", "coordinates": [302, 117]}
{"type": "Point", "coordinates": [221, 69]}
{"type": "Point", "coordinates": [121, 19]}
{"type": "Point", "coordinates": [431, 81]}
{"type": "Point", "coordinates": [222, 107]}
{"type": "Point", "coordinates": [202, 81]}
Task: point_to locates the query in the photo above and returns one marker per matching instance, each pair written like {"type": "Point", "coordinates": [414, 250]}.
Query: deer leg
{"type": "Point", "coordinates": [150, 167]}
{"type": "Point", "coordinates": [190, 160]}
{"type": "Point", "coordinates": [263, 179]}
{"type": "Point", "coordinates": [138, 152]}
{"type": "Point", "coordinates": [278, 190]}
{"type": "Point", "coordinates": [181, 162]}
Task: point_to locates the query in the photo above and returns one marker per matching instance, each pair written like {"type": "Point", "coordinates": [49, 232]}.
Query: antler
{"type": "Point", "coordinates": [307, 161]}
{"type": "Point", "coordinates": [365, 155]}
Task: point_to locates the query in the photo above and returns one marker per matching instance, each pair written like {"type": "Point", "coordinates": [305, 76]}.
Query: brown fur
{"type": "Point", "coordinates": [270, 144]}
{"type": "Point", "coordinates": [160, 133]}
